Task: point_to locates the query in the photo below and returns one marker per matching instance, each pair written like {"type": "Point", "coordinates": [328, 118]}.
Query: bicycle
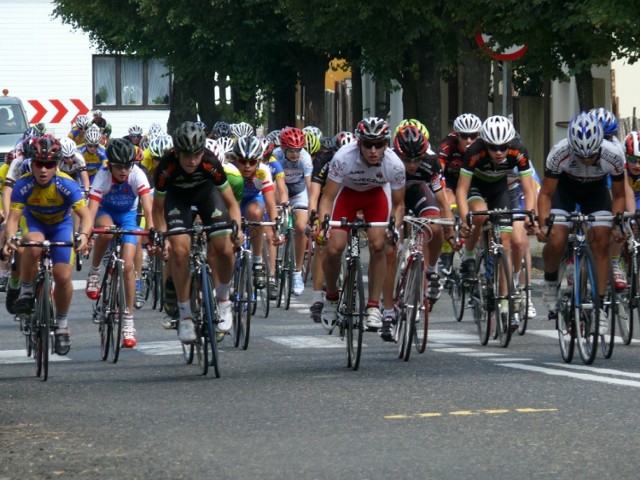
{"type": "Point", "coordinates": [351, 303]}
{"type": "Point", "coordinates": [110, 307]}
{"type": "Point", "coordinates": [629, 299]}
{"type": "Point", "coordinates": [152, 283]}
{"type": "Point", "coordinates": [577, 310]}
{"type": "Point", "coordinates": [39, 325]}
{"type": "Point", "coordinates": [285, 258]}
{"type": "Point", "coordinates": [493, 285]}
{"type": "Point", "coordinates": [204, 308]}
{"type": "Point", "coordinates": [410, 295]}
{"type": "Point", "coordinates": [309, 250]}
{"type": "Point", "coordinates": [244, 298]}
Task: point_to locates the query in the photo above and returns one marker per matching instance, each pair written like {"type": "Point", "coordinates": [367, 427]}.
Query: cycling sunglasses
{"type": "Point", "coordinates": [498, 148]}
{"type": "Point", "coordinates": [632, 159]}
{"type": "Point", "coordinates": [47, 165]}
{"type": "Point", "coordinates": [246, 161]}
{"type": "Point", "coordinates": [467, 136]}
{"type": "Point", "coordinates": [377, 145]}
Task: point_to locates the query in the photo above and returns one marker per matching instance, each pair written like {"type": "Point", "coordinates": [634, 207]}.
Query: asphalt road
{"type": "Point", "coordinates": [288, 408]}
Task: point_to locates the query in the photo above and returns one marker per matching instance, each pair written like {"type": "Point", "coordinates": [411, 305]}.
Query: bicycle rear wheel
{"type": "Point", "coordinates": [564, 317]}
{"type": "Point", "coordinates": [210, 319]}
{"type": "Point", "coordinates": [308, 258]}
{"type": "Point", "coordinates": [354, 313]}
{"type": "Point", "coordinates": [198, 348]}
{"type": "Point", "coordinates": [587, 307]}
{"type": "Point", "coordinates": [611, 304]}
{"type": "Point", "coordinates": [117, 309]}
{"type": "Point", "coordinates": [502, 274]}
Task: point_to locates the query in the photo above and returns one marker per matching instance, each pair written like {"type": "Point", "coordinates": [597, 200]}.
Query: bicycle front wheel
{"type": "Point", "coordinates": [354, 313]}
{"type": "Point", "coordinates": [246, 285]}
{"type": "Point", "coordinates": [503, 316]}
{"type": "Point", "coordinates": [478, 295]}
{"type": "Point", "coordinates": [524, 297]}
{"type": "Point", "coordinates": [43, 322]}
{"type": "Point", "coordinates": [210, 319]}
{"type": "Point", "coordinates": [587, 306]}
{"type": "Point", "coordinates": [117, 309]}
{"type": "Point", "coordinates": [263, 294]}
{"type": "Point", "coordinates": [307, 261]}
{"type": "Point", "coordinates": [412, 303]}
{"type": "Point", "coordinates": [630, 297]}
{"type": "Point", "coordinates": [289, 266]}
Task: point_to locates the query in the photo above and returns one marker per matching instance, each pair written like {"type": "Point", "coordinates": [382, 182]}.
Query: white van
{"type": "Point", "coordinates": [13, 122]}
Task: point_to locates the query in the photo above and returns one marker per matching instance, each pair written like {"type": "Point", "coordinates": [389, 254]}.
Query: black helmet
{"type": "Point", "coordinates": [121, 152]}
{"type": "Point", "coordinates": [189, 138]}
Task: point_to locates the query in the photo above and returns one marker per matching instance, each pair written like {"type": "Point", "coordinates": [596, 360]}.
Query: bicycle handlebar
{"type": "Point", "coordinates": [502, 215]}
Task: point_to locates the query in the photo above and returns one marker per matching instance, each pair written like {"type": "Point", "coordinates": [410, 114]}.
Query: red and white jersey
{"type": "Point", "coordinates": [349, 170]}
{"type": "Point", "coordinates": [119, 197]}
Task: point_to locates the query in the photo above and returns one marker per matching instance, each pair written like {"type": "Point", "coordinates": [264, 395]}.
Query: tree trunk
{"type": "Point", "coordinates": [182, 105]}
{"type": "Point", "coordinates": [584, 85]}
{"type": "Point", "coordinates": [429, 107]}
{"type": "Point", "coordinates": [356, 97]}
{"type": "Point", "coordinates": [204, 92]}
{"type": "Point", "coordinates": [284, 106]}
{"type": "Point", "coordinates": [312, 75]}
{"type": "Point", "coordinates": [476, 78]}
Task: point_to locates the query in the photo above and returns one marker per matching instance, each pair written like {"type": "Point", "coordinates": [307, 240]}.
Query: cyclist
{"type": "Point", "coordinates": [220, 130]}
{"type": "Point", "coordinates": [44, 198]}
{"type": "Point", "coordinates": [135, 136]}
{"type": "Point", "coordinates": [632, 170]}
{"type": "Point", "coordinates": [80, 126]}
{"type": "Point", "coordinates": [158, 145]}
{"type": "Point", "coordinates": [258, 196]}
{"type": "Point", "coordinates": [610, 127]}
{"type": "Point", "coordinates": [466, 128]}
{"type": "Point", "coordinates": [73, 163]}
{"type": "Point", "coordinates": [113, 200]}
{"type": "Point", "coordinates": [297, 165]}
{"type": "Point", "coordinates": [318, 180]}
{"type": "Point", "coordinates": [190, 176]}
{"type": "Point", "coordinates": [576, 173]}
{"type": "Point", "coordinates": [367, 176]}
{"type": "Point", "coordinates": [94, 154]}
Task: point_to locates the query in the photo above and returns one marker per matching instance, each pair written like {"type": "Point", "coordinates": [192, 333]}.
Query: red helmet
{"type": "Point", "coordinates": [291, 137]}
{"type": "Point", "coordinates": [46, 149]}
{"type": "Point", "coordinates": [410, 142]}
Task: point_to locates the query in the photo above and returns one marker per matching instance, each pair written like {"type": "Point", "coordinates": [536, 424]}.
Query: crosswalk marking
{"type": "Point", "coordinates": [309, 341]}
{"type": "Point", "coordinates": [574, 375]}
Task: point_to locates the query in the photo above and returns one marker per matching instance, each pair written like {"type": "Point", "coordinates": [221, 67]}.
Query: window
{"type": "Point", "coordinates": [128, 82]}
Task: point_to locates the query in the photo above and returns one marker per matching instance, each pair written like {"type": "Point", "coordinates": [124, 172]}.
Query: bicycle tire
{"type": "Point", "coordinates": [588, 308]}
{"type": "Point", "coordinates": [610, 306]}
{"type": "Point", "coordinates": [201, 349]}
{"type": "Point", "coordinates": [457, 293]}
{"type": "Point", "coordinates": [43, 326]}
{"type": "Point", "coordinates": [237, 300]}
{"type": "Point", "coordinates": [119, 306]}
{"type": "Point", "coordinates": [564, 317]}
{"type": "Point", "coordinates": [210, 318]}
{"type": "Point", "coordinates": [105, 325]}
{"type": "Point", "coordinates": [399, 288]}
{"type": "Point", "coordinates": [307, 260]}
{"type": "Point", "coordinates": [477, 290]}
{"type": "Point", "coordinates": [188, 349]}
{"type": "Point", "coordinates": [412, 301]}
{"type": "Point", "coordinates": [278, 273]}
{"type": "Point", "coordinates": [421, 322]}
{"type": "Point", "coordinates": [525, 298]}
{"type": "Point", "coordinates": [503, 319]}
{"type": "Point", "coordinates": [158, 283]}
{"type": "Point", "coordinates": [26, 322]}
{"type": "Point", "coordinates": [246, 300]}
{"type": "Point", "coordinates": [354, 314]}
{"type": "Point", "coordinates": [264, 294]}
{"type": "Point", "coordinates": [290, 262]}
{"type": "Point", "coordinates": [625, 323]}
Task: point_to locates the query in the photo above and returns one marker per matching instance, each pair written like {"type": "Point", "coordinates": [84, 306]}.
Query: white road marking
{"type": "Point", "coordinates": [604, 371]}
{"type": "Point", "coordinates": [577, 376]}
{"type": "Point", "coordinates": [309, 341]}
{"type": "Point", "coordinates": [451, 336]}
{"type": "Point", "coordinates": [8, 357]}
{"type": "Point", "coordinates": [160, 348]}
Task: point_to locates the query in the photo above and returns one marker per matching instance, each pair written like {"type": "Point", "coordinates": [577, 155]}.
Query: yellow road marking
{"type": "Point", "coordinates": [534, 410]}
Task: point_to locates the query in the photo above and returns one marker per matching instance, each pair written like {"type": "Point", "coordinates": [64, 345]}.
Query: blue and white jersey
{"type": "Point", "coordinates": [295, 172]}
{"type": "Point", "coordinates": [119, 197]}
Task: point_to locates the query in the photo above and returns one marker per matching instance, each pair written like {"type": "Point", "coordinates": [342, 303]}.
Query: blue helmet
{"type": "Point", "coordinates": [607, 120]}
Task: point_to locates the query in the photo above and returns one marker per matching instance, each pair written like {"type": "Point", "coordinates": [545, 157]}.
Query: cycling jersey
{"type": "Point", "coordinates": [321, 167]}
{"type": "Point", "coordinates": [77, 135]}
{"type": "Point", "coordinates": [562, 161]}
{"type": "Point", "coordinates": [73, 165]}
{"type": "Point", "coordinates": [276, 169]}
{"type": "Point", "coordinates": [94, 160]}
{"type": "Point", "coordinates": [170, 177]}
{"type": "Point", "coordinates": [49, 204]}
{"type": "Point", "coordinates": [148, 163]}
{"type": "Point", "coordinates": [477, 162]}
{"type": "Point", "coordinates": [295, 172]}
{"type": "Point", "coordinates": [428, 172]}
{"type": "Point", "coordinates": [235, 179]}
{"type": "Point", "coordinates": [349, 170]}
{"type": "Point", "coordinates": [450, 157]}
{"type": "Point", "coordinates": [119, 197]}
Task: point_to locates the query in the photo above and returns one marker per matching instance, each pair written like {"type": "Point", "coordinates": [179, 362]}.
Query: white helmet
{"type": "Point", "coordinates": [241, 129]}
{"type": "Point", "coordinates": [135, 130]}
{"type": "Point", "coordinates": [497, 130]}
{"type": "Point", "coordinates": [93, 136]}
{"type": "Point", "coordinates": [159, 144]}
{"type": "Point", "coordinates": [68, 147]}
{"type": "Point", "coordinates": [226, 143]}
{"type": "Point", "coordinates": [585, 134]}
{"type": "Point", "coordinates": [467, 123]}
{"type": "Point", "coordinates": [214, 147]}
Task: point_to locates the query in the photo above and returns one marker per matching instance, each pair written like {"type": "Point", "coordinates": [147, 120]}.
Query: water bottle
{"type": "Point", "coordinates": [489, 268]}
{"type": "Point", "coordinates": [569, 269]}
